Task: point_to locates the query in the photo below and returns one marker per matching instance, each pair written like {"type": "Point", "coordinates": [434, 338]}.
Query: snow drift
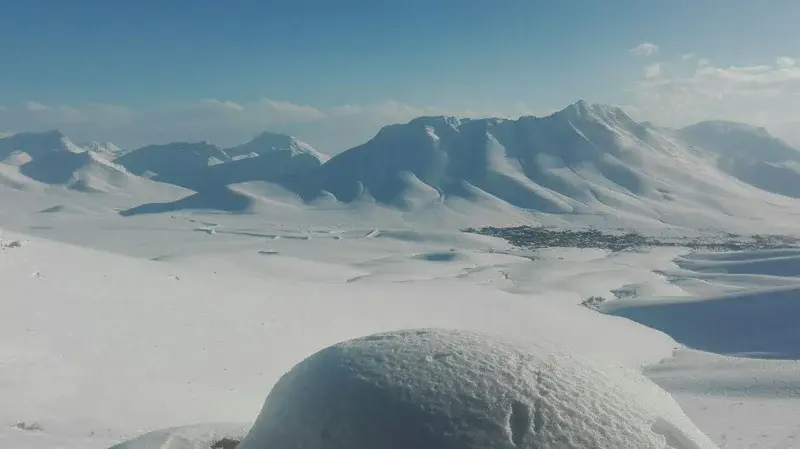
{"type": "Point", "coordinates": [432, 389]}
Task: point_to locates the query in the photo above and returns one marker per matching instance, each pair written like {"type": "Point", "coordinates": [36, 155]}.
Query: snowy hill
{"type": "Point", "coordinates": [583, 160]}
{"type": "Point", "coordinates": [204, 167]}
{"type": "Point", "coordinates": [584, 164]}
{"type": "Point", "coordinates": [107, 150]}
{"type": "Point", "coordinates": [86, 171]}
{"type": "Point", "coordinates": [176, 327]}
{"type": "Point", "coordinates": [35, 144]}
{"type": "Point", "coordinates": [179, 163]}
{"type": "Point", "coordinates": [268, 143]}
{"type": "Point", "coordinates": [28, 160]}
{"type": "Point", "coordinates": [268, 157]}
{"type": "Point", "coordinates": [750, 154]}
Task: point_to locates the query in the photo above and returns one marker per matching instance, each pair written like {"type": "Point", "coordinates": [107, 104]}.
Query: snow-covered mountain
{"type": "Point", "coordinates": [107, 150]}
{"type": "Point", "coordinates": [34, 145]}
{"type": "Point", "coordinates": [585, 160]}
{"type": "Point", "coordinates": [750, 154]}
{"type": "Point", "coordinates": [202, 166]}
{"type": "Point", "coordinates": [179, 163]}
{"type": "Point", "coordinates": [50, 158]}
{"type": "Point", "coordinates": [85, 171]}
{"type": "Point", "coordinates": [268, 157]}
{"type": "Point", "coordinates": [267, 143]}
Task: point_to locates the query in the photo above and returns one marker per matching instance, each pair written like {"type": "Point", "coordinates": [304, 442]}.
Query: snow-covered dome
{"type": "Point", "coordinates": [437, 389]}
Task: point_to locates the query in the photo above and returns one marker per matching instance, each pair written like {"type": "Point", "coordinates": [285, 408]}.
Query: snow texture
{"type": "Point", "coordinates": [207, 436]}
{"type": "Point", "coordinates": [434, 388]}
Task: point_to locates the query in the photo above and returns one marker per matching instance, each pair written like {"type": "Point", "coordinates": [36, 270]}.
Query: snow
{"type": "Point", "coordinates": [757, 321]}
{"type": "Point", "coordinates": [135, 305]}
{"type": "Point", "coordinates": [772, 167]}
{"type": "Point", "coordinates": [267, 143]}
{"type": "Point", "coordinates": [586, 160]}
{"type": "Point", "coordinates": [433, 388]}
{"type": "Point", "coordinates": [204, 167]}
{"type": "Point", "coordinates": [204, 436]}
{"type": "Point", "coordinates": [185, 333]}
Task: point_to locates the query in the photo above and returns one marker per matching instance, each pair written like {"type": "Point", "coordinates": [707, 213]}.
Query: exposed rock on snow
{"type": "Point", "coordinates": [433, 389]}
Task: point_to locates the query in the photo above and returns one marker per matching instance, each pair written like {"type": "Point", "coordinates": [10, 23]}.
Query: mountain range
{"type": "Point", "coordinates": [584, 159]}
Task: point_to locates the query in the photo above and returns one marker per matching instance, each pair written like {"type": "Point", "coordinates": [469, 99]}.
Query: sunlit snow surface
{"type": "Point", "coordinates": [118, 321]}
{"type": "Point", "coordinates": [440, 388]}
{"type": "Point", "coordinates": [206, 312]}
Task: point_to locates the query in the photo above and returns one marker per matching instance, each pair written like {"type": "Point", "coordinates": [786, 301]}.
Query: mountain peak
{"type": "Point", "coordinates": [438, 120]}
{"type": "Point", "coordinates": [269, 142]}
{"type": "Point", "coordinates": [596, 112]}
{"type": "Point", "coordinates": [36, 143]}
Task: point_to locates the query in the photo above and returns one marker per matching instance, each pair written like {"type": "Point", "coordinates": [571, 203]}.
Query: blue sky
{"type": "Point", "coordinates": [334, 71]}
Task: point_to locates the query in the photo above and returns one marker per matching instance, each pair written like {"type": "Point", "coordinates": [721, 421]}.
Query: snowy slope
{"type": "Point", "coordinates": [268, 157]}
{"type": "Point", "coordinates": [750, 154]}
{"type": "Point", "coordinates": [741, 306]}
{"type": "Point", "coordinates": [176, 338]}
{"type": "Point", "coordinates": [267, 143]}
{"type": "Point", "coordinates": [179, 163]}
{"type": "Point", "coordinates": [190, 334]}
{"type": "Point", "coordinates": [209, 170]}
{"type": "Point", "coordinates": [583, 160]}
{"type": "Point", "coordinates": [84, 171]}
{"type": "Point", "coordinates": [753, 315]}
{"type": "Point", "coordinates": [36, 144]}
{"type": "Point", "coordinates": [107, 150]}
{"type": "Point", "coordinates": [587, 164]}
{"type": "Point", "coordinates": [37, 161]}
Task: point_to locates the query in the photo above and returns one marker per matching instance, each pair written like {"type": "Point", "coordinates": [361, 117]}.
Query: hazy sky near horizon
{"type": "Point", "coordinates": [332, 73]}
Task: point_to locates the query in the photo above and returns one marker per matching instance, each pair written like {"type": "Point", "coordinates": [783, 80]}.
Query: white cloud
{"type": "Point", "coordinates": [687, 56]}
{"type": "Point", "coordinates": [645, 49]}
{"type": "Point", "coordinates": [652, 71]}
{"type": "Point", "coordinates": [33, 106]}
{"type": "Point", "coordinates": [757, 94]}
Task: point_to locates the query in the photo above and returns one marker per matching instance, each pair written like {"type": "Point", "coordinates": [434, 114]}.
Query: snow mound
{"type": "Point", "coordinates": [435, 388]}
